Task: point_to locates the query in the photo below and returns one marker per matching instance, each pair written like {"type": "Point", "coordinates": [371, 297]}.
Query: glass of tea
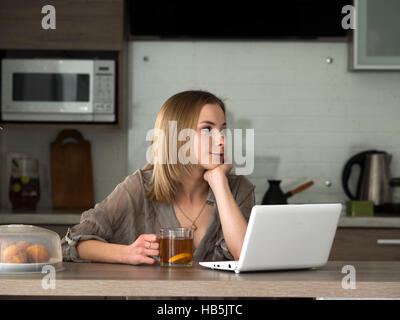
{"type": "Point", "coordinates": [176, 247]}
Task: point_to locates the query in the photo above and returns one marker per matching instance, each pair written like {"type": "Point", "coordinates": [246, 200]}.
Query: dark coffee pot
{"type": "Point", "coordinates": [275, 195]}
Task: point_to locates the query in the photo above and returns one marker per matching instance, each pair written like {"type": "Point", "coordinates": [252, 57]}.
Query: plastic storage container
{"type": "Point", "coordinates": [25, 248]}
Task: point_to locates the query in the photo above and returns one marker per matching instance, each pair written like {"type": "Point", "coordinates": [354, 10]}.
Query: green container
{"type": "Point", "coordinates": [360, 208]}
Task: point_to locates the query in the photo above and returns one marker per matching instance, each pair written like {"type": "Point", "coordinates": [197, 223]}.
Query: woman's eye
{"type": "Point", "coordinates": [206, 128]}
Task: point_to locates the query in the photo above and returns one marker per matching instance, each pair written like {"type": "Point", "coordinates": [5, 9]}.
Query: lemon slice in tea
{"type": "Point", "coordinates": [181, 258]}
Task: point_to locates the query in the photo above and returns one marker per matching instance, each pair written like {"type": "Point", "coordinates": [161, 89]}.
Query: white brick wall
{"type": "Point", "coordinates": [309, 116]}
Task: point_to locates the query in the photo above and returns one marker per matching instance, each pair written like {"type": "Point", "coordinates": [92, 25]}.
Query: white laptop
{"type": "Point", "coordinates": [294, 236]}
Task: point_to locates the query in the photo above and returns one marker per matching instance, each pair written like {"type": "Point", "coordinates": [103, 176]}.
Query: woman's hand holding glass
{"type": "Point", "coordinates": [139, 252]}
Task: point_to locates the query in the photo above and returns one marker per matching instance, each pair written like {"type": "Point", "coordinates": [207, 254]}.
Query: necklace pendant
{"type": "Point", "coordinates": [194, 227]}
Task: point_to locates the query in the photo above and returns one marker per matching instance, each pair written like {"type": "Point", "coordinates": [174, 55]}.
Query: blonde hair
{"type": "Point", "coordinates": [184, 108]}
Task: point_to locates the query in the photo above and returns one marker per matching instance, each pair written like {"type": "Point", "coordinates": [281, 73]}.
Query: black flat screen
{"type": "Point", "coordinates": [237, 19]}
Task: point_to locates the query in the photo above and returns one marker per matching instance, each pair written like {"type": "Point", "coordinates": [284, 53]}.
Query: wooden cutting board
{"type": "Point", "coordinates": [71, 171]}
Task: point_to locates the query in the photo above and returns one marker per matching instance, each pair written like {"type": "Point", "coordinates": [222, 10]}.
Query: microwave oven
{"type": "Point", "coordinates": [58, 90]}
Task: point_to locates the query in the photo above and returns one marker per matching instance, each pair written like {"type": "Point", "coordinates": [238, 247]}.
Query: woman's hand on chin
{"type": "Point", "coordinates": [217, 176]}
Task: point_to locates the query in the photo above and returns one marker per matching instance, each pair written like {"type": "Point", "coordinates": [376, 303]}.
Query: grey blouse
{"type": "Point", "coordinates": [125, 214]}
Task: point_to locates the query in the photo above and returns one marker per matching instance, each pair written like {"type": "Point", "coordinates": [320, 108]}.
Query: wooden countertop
{"type": "Point", "coordinates": [373, 280]}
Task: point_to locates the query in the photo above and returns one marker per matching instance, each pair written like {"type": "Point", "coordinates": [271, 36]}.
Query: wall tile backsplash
{"type": "Point", "coordinates": [309, 116]}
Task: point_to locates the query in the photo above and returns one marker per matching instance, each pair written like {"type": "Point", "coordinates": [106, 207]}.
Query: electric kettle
{"type": "Point", "coordinates": [373, 181]}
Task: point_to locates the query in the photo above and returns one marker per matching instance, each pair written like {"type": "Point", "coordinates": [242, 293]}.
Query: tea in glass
{"type": "Point", "coordinates": [176, 247]}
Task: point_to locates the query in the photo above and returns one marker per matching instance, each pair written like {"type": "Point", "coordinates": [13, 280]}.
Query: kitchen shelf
{"type": "Point", "coordinates": [60, 126]}
{"type": "Point", "coordinates": [47, 216]}
{"type": "Point", "coordinates": [369, 222]}
{"type": "Point", "coordinates": [42, 216]}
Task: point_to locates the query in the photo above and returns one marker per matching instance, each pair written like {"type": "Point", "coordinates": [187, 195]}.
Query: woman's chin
{"type": "Point", "coordinates": [210, 166]}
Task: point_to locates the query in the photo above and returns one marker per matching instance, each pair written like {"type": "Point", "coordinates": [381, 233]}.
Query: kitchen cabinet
{"type": "Point", "coordinates": [93, 29]}
{"type": "Point", "coordinates": [375, 44]}
{"type": "Point", "coordinates": [80, 25]}
{"type": "Point", "coordinates": [364, 244]}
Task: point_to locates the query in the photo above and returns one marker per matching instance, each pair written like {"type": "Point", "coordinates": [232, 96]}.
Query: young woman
{"type": "Point", "coordinates": [200, 194]}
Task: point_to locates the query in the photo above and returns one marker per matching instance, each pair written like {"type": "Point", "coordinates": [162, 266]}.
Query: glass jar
{"type": "Point", "coordinates": [24, 187]}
